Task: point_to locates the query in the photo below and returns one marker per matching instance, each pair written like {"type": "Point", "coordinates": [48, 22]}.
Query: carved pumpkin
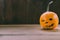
{"type": "Point", "coordinates": [49, 20]}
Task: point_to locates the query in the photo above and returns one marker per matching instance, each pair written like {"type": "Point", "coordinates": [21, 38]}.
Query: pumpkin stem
{"type": "Point", "coordinates": [49, 4]}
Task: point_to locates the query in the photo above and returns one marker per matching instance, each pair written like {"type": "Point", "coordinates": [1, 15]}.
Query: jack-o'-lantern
{"type": "Point", "coordinates": [49, 20]}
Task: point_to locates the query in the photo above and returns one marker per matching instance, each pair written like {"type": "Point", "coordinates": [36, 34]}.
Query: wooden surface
{"type": "Point", "coordinates": [27, 32]}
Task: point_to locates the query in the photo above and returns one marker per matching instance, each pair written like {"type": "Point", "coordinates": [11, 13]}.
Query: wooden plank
{"type": "Point", "coordinates": [1, 11]}
{"type": "Point", "coordinates": [8, 11]}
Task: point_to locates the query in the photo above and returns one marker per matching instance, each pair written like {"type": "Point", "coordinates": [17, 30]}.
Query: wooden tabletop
{"type": "Point", "coordinates": [27, 32]}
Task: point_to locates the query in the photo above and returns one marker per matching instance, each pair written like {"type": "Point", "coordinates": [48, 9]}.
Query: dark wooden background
{"type": "Point", "coordinates": [25, 11]}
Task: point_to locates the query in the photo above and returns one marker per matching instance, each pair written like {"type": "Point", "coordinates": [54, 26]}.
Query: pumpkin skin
{"type": "Point", "coordinates": [49, 20]}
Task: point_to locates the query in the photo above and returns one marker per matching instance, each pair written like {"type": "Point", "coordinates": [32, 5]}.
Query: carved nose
{"type": "Point", "coordinates": [46, 22]}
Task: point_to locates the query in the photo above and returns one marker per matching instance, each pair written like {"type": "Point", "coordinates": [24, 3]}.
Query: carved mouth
{"type": "Point", "coordinates": [51, 25]}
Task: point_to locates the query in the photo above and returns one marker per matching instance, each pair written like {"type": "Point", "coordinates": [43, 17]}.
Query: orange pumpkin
{"type": "Point", "coordinates": [49, 20]}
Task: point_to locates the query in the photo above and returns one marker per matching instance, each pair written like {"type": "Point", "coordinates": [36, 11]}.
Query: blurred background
{"type": "Point", "coordinates": [25, 11]}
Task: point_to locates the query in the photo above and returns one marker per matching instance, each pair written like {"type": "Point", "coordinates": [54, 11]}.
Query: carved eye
{"type": "Point", "coordinates": [43, 20]}
{"type": "Point", "coordinates": [50, 19]}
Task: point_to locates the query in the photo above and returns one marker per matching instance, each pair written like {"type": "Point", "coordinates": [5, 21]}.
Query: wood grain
{"type": "Point", "coordinates": [27, 32]}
